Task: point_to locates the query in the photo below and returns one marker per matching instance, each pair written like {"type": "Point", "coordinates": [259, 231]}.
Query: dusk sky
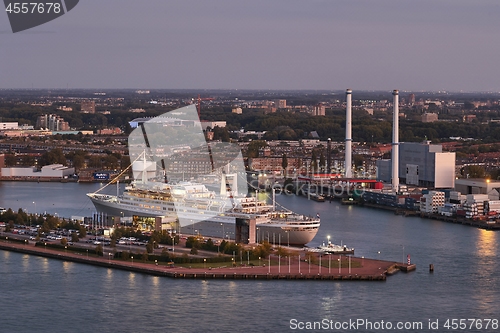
{"type": "Point", "coordinates": [451, 45]}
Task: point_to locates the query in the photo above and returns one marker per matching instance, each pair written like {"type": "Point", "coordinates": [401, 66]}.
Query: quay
{"type": "Point", "coordinates": [369, 270]}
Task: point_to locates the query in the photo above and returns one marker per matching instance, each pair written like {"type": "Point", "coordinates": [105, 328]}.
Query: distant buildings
{"type": "Point", "coordinates": [9, 126]}
{"type": "Point", "coordinates": [109, 131]}
{"type": "Point", "coordinates": [49, 171]}
{"type": "Point", "coordinates": [212, 124]}
{"type": "Point", "coordinates": [280, 103]}
{"type": "Point", "coordinates": [429, 117]}
{"type": "Point", "coordinates": [318, 110]}
{"type": "Point", "coordinates": [52, 122]}
{"type": "Point", "coordinates": [87, 106]}
{"type": "Point", "coordinates": [237, 110]}
{"type": "Point", "coordinates": [411, 99]}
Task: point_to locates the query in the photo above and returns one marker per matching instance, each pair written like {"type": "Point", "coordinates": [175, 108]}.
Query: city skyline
{"type": "Point", "coordinates": [283, 45]}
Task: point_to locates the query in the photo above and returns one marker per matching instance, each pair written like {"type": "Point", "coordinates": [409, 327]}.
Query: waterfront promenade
{"type": "Point", "coordinates": [369, 270]}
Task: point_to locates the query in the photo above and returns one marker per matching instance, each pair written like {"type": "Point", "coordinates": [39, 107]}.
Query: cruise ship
{"type": "Point", "coordinates": [172, 142]}
{"type": "Point", "coordinates": [201, 211]}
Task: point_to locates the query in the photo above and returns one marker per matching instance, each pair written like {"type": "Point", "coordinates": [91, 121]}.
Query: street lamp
{"type": "Point", "coordinates": [378, 255]}
{"type": "Point", "coordinates": [340, 264]}
{"type": "Point", "coordinates": [156, 262]}
{"type": "Point", "coordinates": [328, 239]}
{"type": "Point", "coordinates": [132, 257]}
{"type": "Point", "coordinates": [204, 263]}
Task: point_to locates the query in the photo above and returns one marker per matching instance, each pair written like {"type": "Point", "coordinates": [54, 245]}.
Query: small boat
{"type": "Point", "coordinates": [317, 197]}
{"type": "Point", "coordinates": [336, 249]}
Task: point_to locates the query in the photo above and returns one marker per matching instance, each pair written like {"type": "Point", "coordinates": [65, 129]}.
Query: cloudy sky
{"type": "Point", "coordinates": [449, 45]}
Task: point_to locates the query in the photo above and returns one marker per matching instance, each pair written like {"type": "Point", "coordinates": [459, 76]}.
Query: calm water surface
{"type": "Point", "coordinates": [45, 295]}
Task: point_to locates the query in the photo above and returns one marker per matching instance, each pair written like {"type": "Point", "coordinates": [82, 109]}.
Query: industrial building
{"type": "Point", "coordinates": [421, 164]}
{"type": "Point", "coordinates": [478, 186]}
{"type": "Point", "coordinates": [54, 171]}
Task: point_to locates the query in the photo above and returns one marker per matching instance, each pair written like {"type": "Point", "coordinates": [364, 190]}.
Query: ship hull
{"type": "Point", "coordinates": [277, 233]}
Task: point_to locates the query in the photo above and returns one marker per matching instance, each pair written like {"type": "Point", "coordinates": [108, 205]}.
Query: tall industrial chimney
{"type": "Point", "coordinates": [348, 133]}
{"type": "Point", "coordinates": [329, 156]}
{"type": "Point", "coordinates": [395, 142]}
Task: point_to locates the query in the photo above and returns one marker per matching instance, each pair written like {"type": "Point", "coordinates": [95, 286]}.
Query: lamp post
{"type": "Point", "coordinates": [156, 262]}
{"type": "Point", "coordinates": [173, 242]}
{"type": "Point", "coordinates": [132, 257]}
{"type": "Point", "coordinates": [328, 237]}
{"type": "Point", "coordinates": [329, 260]}
{"type": "Point", "coordinates": [378, 255]}
{"type": "Point", "coordinates": [204, 263]}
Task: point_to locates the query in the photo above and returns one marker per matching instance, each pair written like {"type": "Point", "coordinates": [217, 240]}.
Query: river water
{"type": "Point", "coordinates": [45, 295]}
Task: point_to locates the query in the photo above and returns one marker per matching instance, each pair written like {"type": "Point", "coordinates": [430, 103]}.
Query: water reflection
{"type": "Point", "coordinates": [487, 243]}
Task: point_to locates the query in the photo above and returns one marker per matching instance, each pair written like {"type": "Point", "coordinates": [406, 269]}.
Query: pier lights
{"type": "Point", "coordinates": [204, 263]}
{"type": "Point", "coordinates": [259, 261]}
{"type": "Point", "coordinates": [156, 261]}
{"type": "Point", "coordinates": [132, 257]}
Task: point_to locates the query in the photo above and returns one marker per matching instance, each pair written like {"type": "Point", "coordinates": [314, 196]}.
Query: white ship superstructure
{"type": "Point", "coordinates": [200, 211]}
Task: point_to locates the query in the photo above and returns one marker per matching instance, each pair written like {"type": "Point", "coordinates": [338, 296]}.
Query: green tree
{"type": "Point", "coordinates": [99, 250]}
{"type": "Point", "coordinates": [74, 237]}
{"type": "Point", "coordinates": [149, 247]}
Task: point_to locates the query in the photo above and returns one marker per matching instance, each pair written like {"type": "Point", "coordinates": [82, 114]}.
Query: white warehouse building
{"type": "Point", "coordinates": [47, 171]}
